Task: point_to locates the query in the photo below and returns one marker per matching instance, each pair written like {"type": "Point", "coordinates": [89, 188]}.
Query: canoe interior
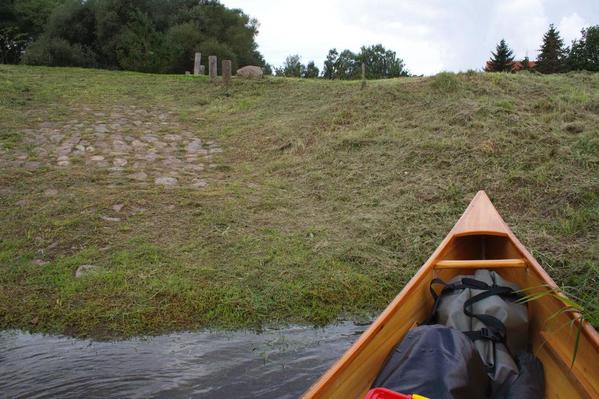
{"type": "Point", "coordinates": [352, 376]}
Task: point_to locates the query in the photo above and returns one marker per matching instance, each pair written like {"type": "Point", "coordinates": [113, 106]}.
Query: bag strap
{"type": "Point", "coordinates": [447, 288]}
{"type": "Point", "coordinates": [494, 330]}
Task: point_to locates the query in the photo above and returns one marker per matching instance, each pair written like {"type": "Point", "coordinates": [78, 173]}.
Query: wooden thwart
{"type": "Point", "coordinates": [481, 264]}
{"type": "Point", "coordinates": [480, 234]}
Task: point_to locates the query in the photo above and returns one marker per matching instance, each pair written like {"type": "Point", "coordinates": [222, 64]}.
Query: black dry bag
{"type": "Point", "coordinates": [436, 362]}
{"type": "Point", "coordinates": [530, 383]}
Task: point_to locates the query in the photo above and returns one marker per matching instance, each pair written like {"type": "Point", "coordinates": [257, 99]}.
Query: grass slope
{"type": "Point", "coordinates": [325, 201]}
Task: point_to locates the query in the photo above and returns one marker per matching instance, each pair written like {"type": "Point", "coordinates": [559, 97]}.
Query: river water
{"type": "Point", "coordinates": [273, 364]}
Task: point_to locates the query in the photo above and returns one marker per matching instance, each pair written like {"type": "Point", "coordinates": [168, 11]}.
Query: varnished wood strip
{"type": "Point", "coordinates": [583, 386]}
{"type": "Point", "coordinates": [481, 263]}
{"type": "Point", "coordinates": [351, 375]}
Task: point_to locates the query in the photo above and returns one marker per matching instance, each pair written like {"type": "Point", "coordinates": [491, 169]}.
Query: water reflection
{"type": "Point", "coordinates": [274, 364]}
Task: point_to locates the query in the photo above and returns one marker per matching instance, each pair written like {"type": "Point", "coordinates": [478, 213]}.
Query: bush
{"type": "Point", "coordinates": [140, 35]}
{"type": "Point", "coordinates": [446, 82]}
{"type": "Point", "coordinates": [58, 52]}
{"type": "Point", "coordinates": [182, 42]}
{"type": "Point", "coordinates": [139, 47]}
{"type": "Point", "coordinates": [221, 50]}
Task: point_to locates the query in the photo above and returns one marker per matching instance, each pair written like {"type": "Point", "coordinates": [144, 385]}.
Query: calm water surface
{"type": "Point", "coordinates": [273, 364]}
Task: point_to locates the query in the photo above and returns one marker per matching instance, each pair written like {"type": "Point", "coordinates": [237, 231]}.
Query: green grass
{"type": "Point", "coordinates": [326, 200]}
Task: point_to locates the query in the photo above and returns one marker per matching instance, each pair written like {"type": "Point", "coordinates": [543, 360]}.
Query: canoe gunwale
{"type": "Point", "coordinates": [480, 218]}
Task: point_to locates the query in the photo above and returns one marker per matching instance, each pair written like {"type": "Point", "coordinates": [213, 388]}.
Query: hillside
{"type": "Point", "coordinates": [275, 201]}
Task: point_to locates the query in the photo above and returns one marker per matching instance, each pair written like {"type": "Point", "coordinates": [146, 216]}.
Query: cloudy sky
{"type": "Point", "coordinates": [430, 35]}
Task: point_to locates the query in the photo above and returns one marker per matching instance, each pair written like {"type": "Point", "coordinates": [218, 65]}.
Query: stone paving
{"type": "Point", "coordinates": [144, 146]}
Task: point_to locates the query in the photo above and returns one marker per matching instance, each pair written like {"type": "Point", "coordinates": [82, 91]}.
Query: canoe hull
{"type": "Point", "coordinates": [478, 238]}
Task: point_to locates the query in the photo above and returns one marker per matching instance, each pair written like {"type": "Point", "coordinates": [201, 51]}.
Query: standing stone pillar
{"type": "Point", "coordinates": [197, 63]}
{"type": "Point", "coordinates": [226, 71]}
{"type": "Point", "coordinates": [212, 67]}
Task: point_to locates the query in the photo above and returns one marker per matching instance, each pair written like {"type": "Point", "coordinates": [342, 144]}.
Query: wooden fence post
{"type": "Point", "coordinates": [212, 72]}
{"type": "Point", "coordinates": [363, 75]}
{"type": "Point", "coordinates": [226, 71]}
{"type": "Point", "coordinates": [197, 63]}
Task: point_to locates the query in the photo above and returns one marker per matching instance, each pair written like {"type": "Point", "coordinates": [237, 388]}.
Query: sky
{"type": "Point", "coordinates": [429, 35]}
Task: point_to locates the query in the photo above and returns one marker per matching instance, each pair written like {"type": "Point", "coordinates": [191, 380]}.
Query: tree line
{"type": "Point", "coordinates": [380, 63]}
{"type": "Point", "coordinates": [139, 35]}
{"type": "Point", "coordinates": [162, 36]}
{"type": "Point", "coordinates": [554, 56]}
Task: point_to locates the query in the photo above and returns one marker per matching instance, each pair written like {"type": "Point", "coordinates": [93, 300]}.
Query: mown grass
{"type": "Point", "coordinates": [328, 199]}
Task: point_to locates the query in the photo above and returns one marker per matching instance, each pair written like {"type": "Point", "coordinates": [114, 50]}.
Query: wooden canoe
{"type": "Point", "coordinates": [480, 239]}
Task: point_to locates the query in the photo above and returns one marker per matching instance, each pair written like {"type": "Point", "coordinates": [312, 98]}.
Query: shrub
{"type": "Point", "coordinates": [58, 52]}
{"type": "Point", "coordinates": [446, 82]}
{"type": "Point", "coordinates": [221, 50]}
{"type": "Point", "coordinates": [182, 42]}
{"type": "Point", "coordinates": [139, 47]}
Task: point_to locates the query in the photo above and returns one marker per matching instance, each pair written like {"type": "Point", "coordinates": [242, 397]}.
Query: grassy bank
{"type": "Point", "coordinates": [323, 202]}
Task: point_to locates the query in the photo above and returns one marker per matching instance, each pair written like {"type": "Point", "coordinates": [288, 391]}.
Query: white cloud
{"type": "Point", "coordinates": [570, 27]}
{"type": "Point", "coordinates": [430, 35]}
{"type": "Point", "coordinates": [521, 23]}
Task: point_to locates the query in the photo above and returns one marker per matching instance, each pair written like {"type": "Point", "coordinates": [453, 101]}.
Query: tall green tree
{"type": "Point", "coordinates": [140, 46]}
{"type": "Point", "coordinates": [502, 59]}
{"type": "Point", "coordinates": [552, 54]}
{"type": "Point", "coordinates": [292, 67]}
{"type": "Point", "coordinates": [311, 71]}
{"type": "Point", "coordinates": [182, 41]}
{"type": "Point", "coordinates": [68, 38]}
{"type": "Point", "coordinates": [328, 71]}
{"type": "Point", "coordinates": [584, 53]}
{"type": "Point", "coordinates": [347, 66]}
{"type": "Point", "coordinates": [12, 44]}
{"type": "Point", "coordinates": [21, 22]}
{"type": "Point", "coordinates": [142, 35]}
{"type": "Point", "coordinates": [381, 63]}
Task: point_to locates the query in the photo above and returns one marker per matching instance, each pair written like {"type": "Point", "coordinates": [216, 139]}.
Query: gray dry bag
{"type": "Point", "coordinates": [484, 307]}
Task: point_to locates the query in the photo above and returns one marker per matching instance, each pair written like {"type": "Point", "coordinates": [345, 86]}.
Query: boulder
{"type": "Point", "coordinates": [250, 72]}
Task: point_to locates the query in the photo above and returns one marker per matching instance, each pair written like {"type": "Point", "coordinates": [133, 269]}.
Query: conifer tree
{"type": "Point", "coordinates": [552, 55]}
{"type": "Point", "coordinates": [502, 59]}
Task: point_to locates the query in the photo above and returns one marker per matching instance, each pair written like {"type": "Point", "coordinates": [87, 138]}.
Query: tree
{"type": "Point", "coordinates": [380, 62]}
{"type": "Point", "coordinates": [552, 55]}
{"type": "Point", "coordinates": [328, 71]}
{"type": "Point", "coordinates": [68, 38]}
{"type": "Point", "coordinates": [267, 68]}
{"type": "Point", "coordinates": [311, 70]}
{"type": "Point", "coordinates": [59, 52]}
{"type": "Point", "coordinates": [502, 59]}
{"type": "Point", "coordinates": [584, 53]}
{"type": "Point", "coordinates": [21, 22]}
{"type": "Point", "coordinates": [12, 44]}
{"type": "Point", "coordinates": [139, 46]}
{"type": "Point", "coordinates": [141, 35]}
{"type": "Point", "coordinates": [347, 66]}
{"type": "Point", "coordinates": [182, 41]}
{"type": "Point", "coordinates": [292, 67]}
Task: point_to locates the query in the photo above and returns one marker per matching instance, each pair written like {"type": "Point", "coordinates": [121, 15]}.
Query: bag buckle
{"type": "Point", "coordinates": [491, 335]}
